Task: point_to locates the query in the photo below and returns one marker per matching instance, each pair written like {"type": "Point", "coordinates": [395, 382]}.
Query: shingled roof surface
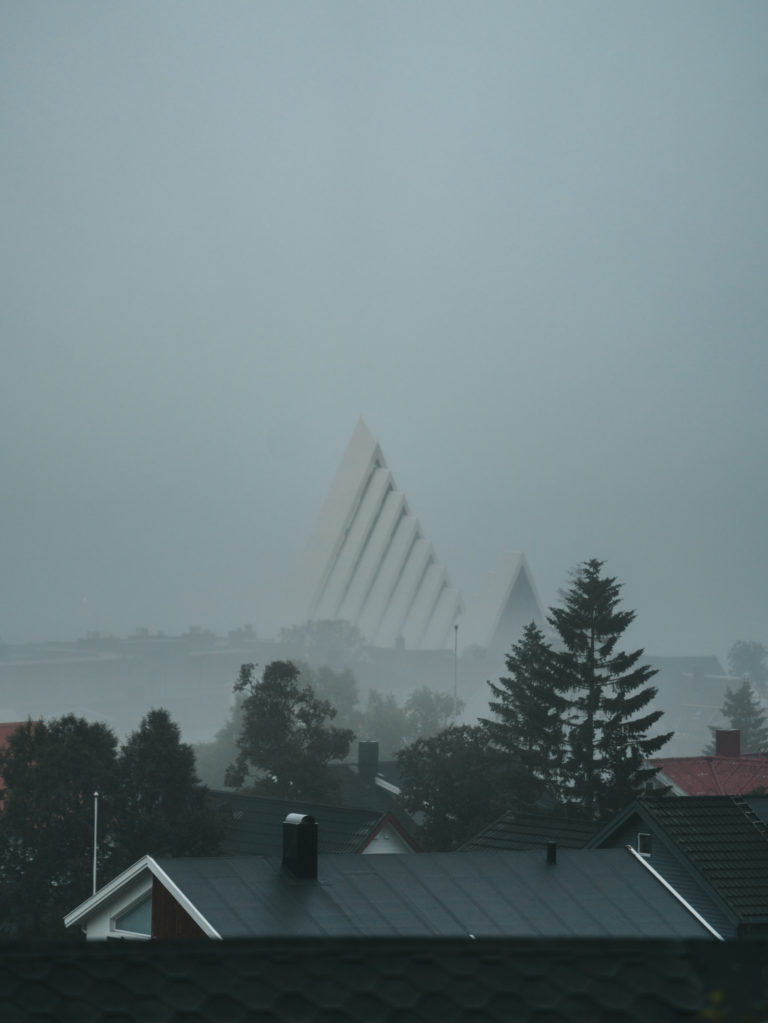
{"type": "Point", "coordinates": [375, 981]}
{"type": "Point", "coordinates": [533, 831]}
{"type": "Point", "coordinates": [255, 824]}
{"type": "Point", "coordinates": [715, 776]}
{"type": "Point", "coordinates": [592, 893]}
{"type": "Point", "coordinates": [727, 844]}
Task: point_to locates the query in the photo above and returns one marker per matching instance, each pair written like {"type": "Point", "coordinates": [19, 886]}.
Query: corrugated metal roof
{"type": "Point", "coordinates": [590, 893]}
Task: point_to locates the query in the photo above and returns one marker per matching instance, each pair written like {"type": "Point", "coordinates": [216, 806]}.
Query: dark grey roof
{"type": "Point", "coordinates": [254, 824]}
{"type": "Point", "coordinates": [387, 981]}
{"type": "Point", "coordinates": [515, 830]}
{"type": "Point", "coordinates": [589, 893]}
{"type": "Point", "coordinates": [721, 839]}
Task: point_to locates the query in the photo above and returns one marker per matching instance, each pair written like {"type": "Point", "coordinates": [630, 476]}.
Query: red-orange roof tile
{"type": "Point", "coordinates": [715, 776]}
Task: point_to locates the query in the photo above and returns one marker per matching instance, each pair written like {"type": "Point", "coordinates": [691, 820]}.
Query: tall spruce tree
{"type": "Point", "coordinates": [530, 707]}
{"type": "Point", "coordinates": [608, 690]}
{"type": "Point", "coordinates": [743, 710]}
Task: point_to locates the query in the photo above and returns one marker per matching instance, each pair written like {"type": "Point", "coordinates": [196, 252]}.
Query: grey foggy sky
{"type": "Point", "coordinates": [527, 241]}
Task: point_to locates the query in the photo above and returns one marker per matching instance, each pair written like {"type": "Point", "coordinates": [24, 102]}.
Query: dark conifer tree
{"type": "Point", "coordinates": [608, 740]}
{"type": "Point", "coordinates": [743, 710]}
{"type": "Point", "coordinates": [530, 708]}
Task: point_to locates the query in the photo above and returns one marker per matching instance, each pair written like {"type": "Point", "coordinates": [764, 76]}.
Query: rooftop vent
{"type": "Point", "coordinates": [300, 845]}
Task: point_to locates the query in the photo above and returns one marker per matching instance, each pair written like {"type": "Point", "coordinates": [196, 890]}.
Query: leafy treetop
{"type": "Point", "coordinates": [286, 734]}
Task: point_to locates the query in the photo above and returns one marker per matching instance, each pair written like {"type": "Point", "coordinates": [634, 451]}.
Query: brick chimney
{"type": "Point", "coordinates": [368, 760]}
{"type": "Point", "coordinates": [300, 845]}
{"type": "Point", "coordinates": [727, 742]}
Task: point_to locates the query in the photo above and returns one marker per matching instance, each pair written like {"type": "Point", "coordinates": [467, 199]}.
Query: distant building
{"type": "Point", "coordinates": [368, 562]}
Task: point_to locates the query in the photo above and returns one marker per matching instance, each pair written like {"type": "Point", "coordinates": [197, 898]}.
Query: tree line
{"type": "Point", "coordinates": [569, 731]}
{"type": "Point", "coordinates": [150, 800]}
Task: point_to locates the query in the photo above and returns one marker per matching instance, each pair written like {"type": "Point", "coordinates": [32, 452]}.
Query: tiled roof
{"type": "Point", "coordinates": [723, 841]}
{"type": "Point", "coordinates": [375, 981]}
{"type": "Point", "coordinates": [533, 831]}
{"type": "Point", "coordinates": [715, 776]}
{"type": "Point", "coordinates": [255, 824]}
{"type": "Point", "coordinates": [592, 893]}
{"type": "Point", "coordinates": [7, 728]}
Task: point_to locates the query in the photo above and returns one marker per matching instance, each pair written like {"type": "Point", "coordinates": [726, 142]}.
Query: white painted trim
{"type": "Point", "coordinates": [666, 780]}
{"type": "Point", "coordinates": [87, 907]}
{"type": "Point", "coordinates": [182, 899]}
{"type": "Point", "coordinates": [109, 890]}
{"type": "Point", "coordinates": [677, 895]}
{"type": "Point", "coordinates": [386, 785]}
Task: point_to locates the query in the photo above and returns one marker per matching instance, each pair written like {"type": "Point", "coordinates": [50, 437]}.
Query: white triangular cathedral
{"type": "Point", "coordinates": [368, 562]}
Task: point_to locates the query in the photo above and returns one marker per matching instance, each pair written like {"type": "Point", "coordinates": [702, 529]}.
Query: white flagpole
{"type": "Point", "coordinates": [95, 835]}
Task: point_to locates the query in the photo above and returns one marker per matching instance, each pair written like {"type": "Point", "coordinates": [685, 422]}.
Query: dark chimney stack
{"type": "Point", "coordinates": [552, 852]}
{"type": "Point", "coordinates": [300, 845]}
{"type": "Point", "coordinates": [727, 742]}
{"type": "Point", "coordinates": [368, 760]}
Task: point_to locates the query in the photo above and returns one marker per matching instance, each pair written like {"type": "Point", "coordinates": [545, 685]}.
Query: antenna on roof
{"type": "Point", "coordinates": [95, 835]}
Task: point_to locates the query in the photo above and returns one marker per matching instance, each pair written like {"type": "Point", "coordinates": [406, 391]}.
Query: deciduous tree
{"type": "Point", "coordinates": [161, 808]}
{"type": "Point", "coordinates": [287, 738]}
{"type": "Point", "coordinates": [458, 782]}
{"type": "Point", "coordinates": [50, 771]}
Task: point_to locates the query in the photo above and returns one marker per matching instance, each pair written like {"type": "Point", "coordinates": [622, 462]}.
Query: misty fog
{"type": "Point", "coordinates": [526, 241]}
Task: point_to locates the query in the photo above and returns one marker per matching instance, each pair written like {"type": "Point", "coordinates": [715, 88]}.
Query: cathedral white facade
{"type": "Point", "coordinates": [368, 562]}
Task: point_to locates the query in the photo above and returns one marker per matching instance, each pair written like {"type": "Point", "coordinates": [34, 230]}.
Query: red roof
{"type": "Point", "coordinates": [8, 728]}
{"type": "Point", "coordinates": [715, 776]}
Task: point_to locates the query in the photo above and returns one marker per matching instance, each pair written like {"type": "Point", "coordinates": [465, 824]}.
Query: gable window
{"type": "Point", "coordinates": [136, 921]}
{"type": "Point", "coordinates": [644, 843]}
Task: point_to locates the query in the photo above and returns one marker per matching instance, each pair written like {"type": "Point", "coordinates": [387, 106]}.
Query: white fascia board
{"type": "Point", "coordinates": [173, 889]}
{"type": "Point", "coordinates": [424, 604]}
{"type": "Point", "coordinates": [87, 907]}
{"type": "Point", "coordinates": [406, 589]}
{"type": "Point", "coordinates": [382, 783]}
{"type": "Point", "coordinates": [677, 895]}
{"type": "Point", "coordinates": [387, 576]}
{"type": "Point", "coordinates": [438, 635]}
{"type": "Point", "coordinates": [372, 558]}
{"type": "Point", "coordinates": [353, 545]}
{"type": "Point", "coordinates": [117, 884]}
{"type": "Point", "coordinates": [666, 780]}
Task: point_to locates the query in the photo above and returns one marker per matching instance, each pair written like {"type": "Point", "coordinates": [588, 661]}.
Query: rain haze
{"type": "Point", "coordinates": [526, 241]}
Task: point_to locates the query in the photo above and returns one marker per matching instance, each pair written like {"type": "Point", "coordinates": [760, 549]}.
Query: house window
{"type": "Point", "coordinates": [135, 920]}
{"type": "Point", "coordinates": [644, 843]}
